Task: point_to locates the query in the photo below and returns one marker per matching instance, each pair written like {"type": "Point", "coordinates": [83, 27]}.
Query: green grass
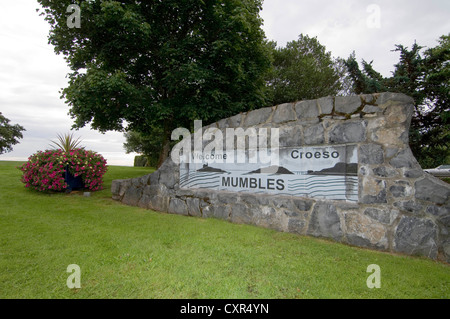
{"type": "Point", "coordinates": [128, 252]}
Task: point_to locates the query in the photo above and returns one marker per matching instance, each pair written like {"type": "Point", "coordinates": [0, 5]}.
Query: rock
{"type": "Point", "coordinates": [307, 109]}
{"type": "Point", "coordinates": [178, 206]}
{"type": "Point", "coordinates": [384, 171]}
{"type": "Point", "coordinates": [404, 159]}
{"type": "Point", "coordinates": [258, 116]}
{"type": "Point", "coordinates": [325, 222]}
{"type": "Point", "coordinates": [416, 236]}
{"type": "Point", "coordinates": [284, 113]}
{"type": "Point", "coordinates": [364, 231]}
{"type": "Point", "coordinates": [371, 154]}
{"type": "Point", "coordinates": [314, 134]}
{"type": "Point", "coordinates": [326, 105]}
{"type": "Point", "coordinates": [433, 190]}
{"type": "Point", "coordinates": [347, 104]}
{"type": "Point", "coordinates": [383, 216]}
{"type": "Point", "coordinates": [348, 132]}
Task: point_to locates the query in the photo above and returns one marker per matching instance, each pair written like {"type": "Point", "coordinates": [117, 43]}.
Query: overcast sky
{"type": "Point", "coordinates": [31, 74]}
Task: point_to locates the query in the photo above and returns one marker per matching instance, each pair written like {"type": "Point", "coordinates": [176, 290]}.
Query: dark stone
{"type": "Point", "coordinates": [380, 215]}
{"type": "Point", "coordinates": [132, 196]}
{"type": "Point", "coordinates": [404, 159]}
{"type": "Point", "coordinates": [409, 206]}
{"type": "Point", "coordinates": [314, 134]}
{"type": "Point", "coordinates": [433, 190]}
{"type": "Point", "coordinates": [371, 154]}
{"type": "Point", "coordinates": [383, 171]}
{"type": "Point", "coordinates": [380, 198]}
{"type": "Point", "coordinates": [347, 104]}
{"type": "Point", "coordinates": [303, 205]}
{"type": "Point", "coordinates": [416, 236]}
{"type": "Point", "coordinates": [307, 109]}
{"type": "Point", "coordinates": [348, 132]}
{"type": "Point", "coordinates": [398, 191]}
{"type": "Point", "coordinates": [178, 206]}
{"type": "Point", "coordinates": [325, 222]}
{"type": "Point", "coordinates": [284, 113]}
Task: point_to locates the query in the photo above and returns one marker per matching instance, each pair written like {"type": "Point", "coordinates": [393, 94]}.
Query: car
{"type": "Point", "coordinates": [440, 171]}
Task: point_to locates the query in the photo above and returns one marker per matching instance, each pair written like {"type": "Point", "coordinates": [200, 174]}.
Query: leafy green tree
{"type": "Point", "coordinates": [148, 145]}
{"type": "Point", "coordinates": [425, 76]}
{"type": "Point", "coordinates": [9, 134]}
{"type": "Point", "coordinates": [304, 70]}
{"type": "Point", "coordinates": [136, 65]}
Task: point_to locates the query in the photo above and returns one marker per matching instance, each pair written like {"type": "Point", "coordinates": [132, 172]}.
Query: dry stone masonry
{"type": "Point", "coordinates": [373, 193]}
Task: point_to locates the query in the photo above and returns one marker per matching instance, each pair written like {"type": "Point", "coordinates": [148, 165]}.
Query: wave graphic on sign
{"type": "Point", "coordinates": [325, 186]}
{"type": "Point", "coordinates": [193, 179]}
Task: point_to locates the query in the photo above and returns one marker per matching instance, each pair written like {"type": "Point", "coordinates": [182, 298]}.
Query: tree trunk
{"type": "Point", "coordinates": [164, 153]}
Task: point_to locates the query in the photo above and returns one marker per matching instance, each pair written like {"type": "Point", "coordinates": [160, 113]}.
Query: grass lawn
{"type": "Point", "coordinates": [128, 252]}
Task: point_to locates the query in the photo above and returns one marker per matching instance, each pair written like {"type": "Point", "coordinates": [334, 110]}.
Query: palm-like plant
{"type": "Point", "coordinates": [67, 142]}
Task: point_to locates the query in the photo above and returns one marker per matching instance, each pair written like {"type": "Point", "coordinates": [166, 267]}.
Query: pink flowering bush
{"type": "Point", "coordinates": [45, 170]}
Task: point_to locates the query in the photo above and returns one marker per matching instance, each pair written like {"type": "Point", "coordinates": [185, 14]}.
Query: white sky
{"type": "Point", "coordinates": [31, 74]}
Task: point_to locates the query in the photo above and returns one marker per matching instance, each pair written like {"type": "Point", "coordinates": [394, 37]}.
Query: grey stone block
{"type": "Point", "coordinates": [326, 104]}
{"type": "Point", "coordinates": [325, 222]}
{"type": "Point", "coordinates": [314, 134]}
{"type": "Point", "coordinates": [441, 213]}
{"type": "Point", "coordinates": [383, 98]}
{"type": "Point", "coordinates": [303, 204]}
{"type": "Point", "coordinates": [348, 132]}
{"type": "Point", "coordinates": [132, 196]}
{"type": "Point", "coordinates": [258, 116]}
{"type": "Point", "coordinates": [371, 154]}
{"type": "Point", "coordinates": [384, 171]}
{"type": "Point", "coordinates": [240, 213]}
{"type": "Point", "coordinates": [193, 206]}
{"type": "Point", "coordinates": [381, 215]}
{"type": "Point", "coordinates": [290, 136]}
{"type": "Point", "coordinates": [380, 198]}
{"type": "Point", "coordinates": [416, 236]}
{"type": "Point", "coordinates": [404, 159]}
{"type": "Point", "coordinates": [433, 190]}
{"type": "Point", "coordinates": [284, 113]}
{"type": "Point", "coordinates": [178, 206]}
{"type": "Point", "coordinates": [398, 191]}
{"type": "Point", "coordinates": [409, 206]}
{"type": "Point", "coordinates": [347, 104]}
{"type": "Point", "coordinates": [297, 226]}
{"type": "Point", "coordinates": [307, 109]}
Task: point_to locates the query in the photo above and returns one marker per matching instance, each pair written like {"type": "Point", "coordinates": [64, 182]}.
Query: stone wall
{"type": "Point", "coordinates": [400, 208]}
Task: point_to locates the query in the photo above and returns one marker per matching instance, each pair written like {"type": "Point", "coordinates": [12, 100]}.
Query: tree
{"type": "Point", "coordinates": [425, 76]}
{"type": "Point", "coordinates": [136, 65]}
{"type": "Point", "coordinates": [148, 145]}
{"type": "Point", "coordinates": [304, 70]}
{"type": "Point", "coordinates": [9, 134]}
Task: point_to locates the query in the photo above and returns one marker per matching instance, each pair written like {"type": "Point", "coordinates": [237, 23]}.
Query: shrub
{"type": "Point", "coordinates": [45, 170]}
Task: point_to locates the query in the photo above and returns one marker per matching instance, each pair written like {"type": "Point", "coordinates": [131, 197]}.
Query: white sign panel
{"type": "Point", "coordinates": [328, 172]}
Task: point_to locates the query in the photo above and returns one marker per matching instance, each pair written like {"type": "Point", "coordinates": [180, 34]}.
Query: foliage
{"type": "Point", "coordinates": [67, 142]}
{"type": "Point", "coordinates": [136, 65]}
{"type": "Point", "coordinates": [425, 76]}
{"type": "Point", "coordinates": [45, 170]}
{"type": "Point", "coordinates": [148, 145]}
{"type": "Point", "coordinates": [9, 134]}
{"type": "Point", "coordinates": [304, 70]}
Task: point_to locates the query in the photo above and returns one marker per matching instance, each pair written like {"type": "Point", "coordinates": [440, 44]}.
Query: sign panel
{"type": "Point", "coordinates": [327, 172]}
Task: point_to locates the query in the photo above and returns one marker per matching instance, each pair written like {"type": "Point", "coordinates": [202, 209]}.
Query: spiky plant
{"type": "Point", "coordinates": [67, 142]}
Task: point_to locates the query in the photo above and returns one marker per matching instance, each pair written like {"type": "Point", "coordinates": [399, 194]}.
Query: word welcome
{"type": "Point", "coordinates": [190, 149]}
